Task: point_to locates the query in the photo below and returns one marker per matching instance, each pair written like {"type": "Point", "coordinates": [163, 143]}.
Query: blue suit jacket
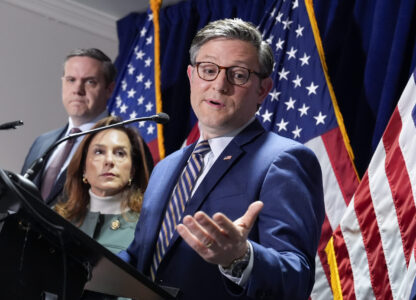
{"type": "Point", "coordinates": [413, 291]}
{"type": "Point", "coordinates": [283, 174]}
{"type": "Point", "coordinates": [38, 148]}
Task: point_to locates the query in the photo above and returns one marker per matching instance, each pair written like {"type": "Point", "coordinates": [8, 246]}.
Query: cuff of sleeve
{"type": "Point", "coordinates": [241, 281]}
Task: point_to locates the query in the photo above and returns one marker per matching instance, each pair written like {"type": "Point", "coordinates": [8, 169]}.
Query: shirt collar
{"type": "Point", "coordinates": [88, 125]}
{"type": "Point", "coordinates": [218, 144]}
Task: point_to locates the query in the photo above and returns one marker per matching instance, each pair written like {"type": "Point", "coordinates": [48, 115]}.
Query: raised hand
{"type": "Point", "coordinates": [219, 240]}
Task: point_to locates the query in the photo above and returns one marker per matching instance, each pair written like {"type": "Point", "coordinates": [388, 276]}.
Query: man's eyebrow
{"type": "Point", "coordinates": [84, 78]}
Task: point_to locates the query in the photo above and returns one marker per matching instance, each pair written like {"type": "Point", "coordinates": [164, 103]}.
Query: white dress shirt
{"type": "Point", "coordinates": [217, 146]}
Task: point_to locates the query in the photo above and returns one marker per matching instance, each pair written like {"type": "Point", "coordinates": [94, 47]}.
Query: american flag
{"type": "Point", "coordinates": [302, 106]}
{"type": "Point", "coordinates": [134, 95]}
{"type": "Point", "coordinates": [373, 249]}
{"type": "Point", "coordinates": [407, 288]}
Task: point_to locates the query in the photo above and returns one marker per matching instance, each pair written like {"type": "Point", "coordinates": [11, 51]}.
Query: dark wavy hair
{"type": "Point", "coordinates": [76, 191]}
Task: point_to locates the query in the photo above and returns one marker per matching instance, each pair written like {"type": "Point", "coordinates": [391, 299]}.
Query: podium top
{"type": "Point", "coordinates": [109, 274]}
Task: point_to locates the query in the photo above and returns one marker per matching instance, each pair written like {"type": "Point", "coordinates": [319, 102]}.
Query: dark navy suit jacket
{"type": "Point", "coordinates": [282, 173]}
{"type": "Point", "coordinates": [38, 148]}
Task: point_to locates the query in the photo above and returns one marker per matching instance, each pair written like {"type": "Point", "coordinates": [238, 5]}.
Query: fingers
{"type": "Point", "coordinates": [215, 230]}
{"type": "Point", "coordinates": [242, 224]}
{"type": "Point", "coordinates": [249, 218]}
{"type": "Point", "coordinates": [218, 239]}
{"type": "Point", "coordinates": [220, 228]}
{"type": "Point", "coordinates": [195, 235]}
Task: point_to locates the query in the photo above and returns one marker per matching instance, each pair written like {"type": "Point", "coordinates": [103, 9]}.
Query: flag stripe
{"type": "Point", "coordinates": [358, 259]}
{"type": "Point", "coordinates": [375, 241]}
{"type": "Point", "coordinates": [401, 187]}
{"type": "Point", "coordinates": [335, 204]}
{"type": "Point", "coordinates": [345, 273]}
{"type": "Point", "coordinates": [386, 221]}
{"type": "Point", "coordinates": [335, 283]}
{"type": "Point", "coordinates": [323, 262]}
{"type": "Point", "coordinates": [320, 48]}
{"type": "Point", "coordinates": [407, 139]}
{"type": "Point", "coordinates": [302, 106]}
{"type": "Point", "coordinates": [321, 288]}
{"type": "Point", "coordinates": [154, 149]}
{"type": "Point", "coordinates": [336, 249]}
{"type": "Point", "coordinates": [401, 190]}
{"type": "Point", "coordinates": [372, 240]}
{"type": "Point", "coordinates": [333, 201]}
{"type": "Point", "coordinates": [409, 280]}
{"type": "Point", "coordinates": [344, 170]}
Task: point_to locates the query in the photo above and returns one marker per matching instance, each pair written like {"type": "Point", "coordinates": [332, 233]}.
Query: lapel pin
{"type": "Point", "coordinates": [115, 224]}
{"type": "Point", "coordinates": [228, 157]}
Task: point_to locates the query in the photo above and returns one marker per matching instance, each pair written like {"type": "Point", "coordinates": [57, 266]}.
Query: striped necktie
{"type": "Point", "coordinates": [178, 202]}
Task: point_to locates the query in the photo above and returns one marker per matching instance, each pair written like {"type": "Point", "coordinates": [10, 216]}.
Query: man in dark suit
{"type": "Point", "coordinates": [87, 83]}
{"type": "Point", "coordinates": [253, 217]}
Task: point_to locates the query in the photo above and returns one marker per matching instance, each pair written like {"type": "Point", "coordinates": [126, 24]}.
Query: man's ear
{"type": "Point", "coordinates": [189, 72]}
{"type": "Point", "coordinates": [110, 88]}
{"type": "Point", "coordinates": [266, 86]}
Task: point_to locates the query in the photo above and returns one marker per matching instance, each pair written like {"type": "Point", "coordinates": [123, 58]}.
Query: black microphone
{"type": "Point", "coordinates": [36, 166]}
{"type": "Point", "coordinates": [161, 118]}
{"type": "Point", "coordinates": [14, 124]}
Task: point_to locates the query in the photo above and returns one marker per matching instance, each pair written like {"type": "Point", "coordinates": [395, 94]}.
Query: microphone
{"type": "Point", "coordinates": [161, 118]}
{"type": "Point", "coordinates": [14, 124]}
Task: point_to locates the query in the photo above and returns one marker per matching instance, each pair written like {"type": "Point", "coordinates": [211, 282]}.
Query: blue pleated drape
{"type": "Point", "coordinates": [369, 47]}
{"type": "Point", "coordinates": [370, 52]}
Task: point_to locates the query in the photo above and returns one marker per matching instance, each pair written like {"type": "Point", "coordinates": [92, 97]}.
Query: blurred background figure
{"type": "Point", "coordinates": [105, 182]}
{"type": "Point", "coordinates": [87, 83]}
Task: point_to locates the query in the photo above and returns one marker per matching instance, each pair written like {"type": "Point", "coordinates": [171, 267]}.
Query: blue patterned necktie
{"type": "Point", "coordinates": [178, 202]}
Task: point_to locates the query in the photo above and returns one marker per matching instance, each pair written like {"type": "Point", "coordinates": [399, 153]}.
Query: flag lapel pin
{"type": "Point", "coordinates": [228, 157]}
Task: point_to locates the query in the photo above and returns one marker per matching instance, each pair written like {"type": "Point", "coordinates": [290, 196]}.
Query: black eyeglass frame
{"type": "Point", "coordinates": [197, 64]}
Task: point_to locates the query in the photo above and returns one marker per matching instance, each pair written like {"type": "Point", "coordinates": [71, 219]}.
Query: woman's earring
{"type": "Point", "coordinates": [84, 180]}
{"type": "Point", "coordinates": [129, 184]}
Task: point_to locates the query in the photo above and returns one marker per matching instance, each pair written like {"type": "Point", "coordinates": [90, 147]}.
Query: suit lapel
{"type": "Point", "coordinates": [161, 191]}
{"type": "Point", "coordinates": [224, 162]}
{"type": "Point", "coordinates": [56, 189]}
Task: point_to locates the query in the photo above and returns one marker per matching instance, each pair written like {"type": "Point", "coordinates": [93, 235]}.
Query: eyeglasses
{"type": "Point", "coordinates": [235, 75]}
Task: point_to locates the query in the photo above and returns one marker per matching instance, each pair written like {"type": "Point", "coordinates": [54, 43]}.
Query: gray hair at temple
{"type": "Point", "coordinates": [108, 67]}
{"type": "Point", "coordinates": [235, 29]}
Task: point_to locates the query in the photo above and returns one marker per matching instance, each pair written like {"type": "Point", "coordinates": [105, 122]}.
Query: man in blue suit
{"type": "Point", "coordinates": [87, 83]}
{"type": "Point", "coordinates": [253, 219]}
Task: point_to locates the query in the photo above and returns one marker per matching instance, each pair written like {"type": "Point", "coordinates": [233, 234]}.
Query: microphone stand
{"type": "Point", "coordinates": [42, 239]}
{"type": "Point", "coordinates": [33, 170]}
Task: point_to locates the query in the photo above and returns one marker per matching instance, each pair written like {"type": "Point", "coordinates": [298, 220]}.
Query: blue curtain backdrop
{"type": "Point", "coordinates": [369, 47]}
{"type": "Point", "coordinates": [370, 52]}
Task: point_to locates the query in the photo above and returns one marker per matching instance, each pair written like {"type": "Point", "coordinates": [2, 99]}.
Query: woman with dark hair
{"type": "Point", "coordinates": [105, 182]}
